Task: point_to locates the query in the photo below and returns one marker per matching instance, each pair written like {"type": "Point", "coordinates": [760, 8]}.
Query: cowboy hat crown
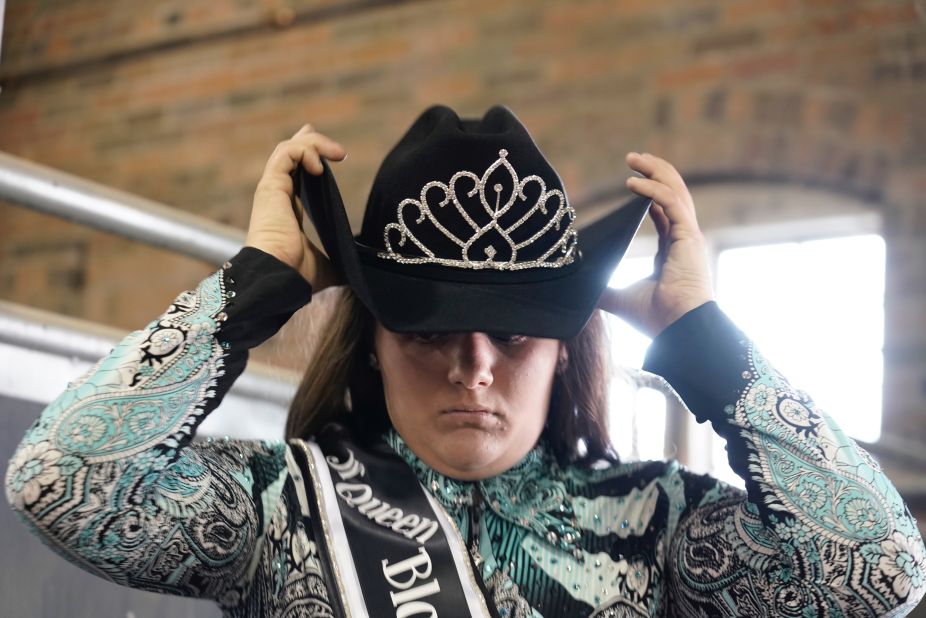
{"type": "Point", "coordinates": [468, 228]}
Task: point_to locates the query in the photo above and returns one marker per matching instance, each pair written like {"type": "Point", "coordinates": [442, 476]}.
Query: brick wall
{"type": "Point", "coordinates": [182, 102]}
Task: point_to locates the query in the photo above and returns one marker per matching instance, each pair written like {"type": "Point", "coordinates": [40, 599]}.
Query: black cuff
{"type": "Point", "coordinates": [702, 356]}
{"type": "Point", "coordinates": [263, 293]}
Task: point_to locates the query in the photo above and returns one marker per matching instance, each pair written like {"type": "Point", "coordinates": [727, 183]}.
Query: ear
{"type": "Point", "coordinates": [376, 340]}
{"type": "Point", "coordinates": [562, 361]}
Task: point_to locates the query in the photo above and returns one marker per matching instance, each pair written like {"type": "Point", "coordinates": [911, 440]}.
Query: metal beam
{"type": "Point", "coordinates": [2, 13]}
{"type": "Point", "coordinates": [95, 205]}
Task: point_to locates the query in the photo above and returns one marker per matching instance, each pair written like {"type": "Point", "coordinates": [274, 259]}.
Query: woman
{"type": "Point", "coordinates": [457, 463]}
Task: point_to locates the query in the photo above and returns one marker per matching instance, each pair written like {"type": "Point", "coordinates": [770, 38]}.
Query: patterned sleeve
{"type": "Point", "coordinates": [108, 476]}
{"type": "Point", "coordinates": [821, 531]}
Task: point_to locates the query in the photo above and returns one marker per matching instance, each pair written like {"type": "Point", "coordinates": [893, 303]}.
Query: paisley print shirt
{"type": "Point", "coordinates": [110, 478]}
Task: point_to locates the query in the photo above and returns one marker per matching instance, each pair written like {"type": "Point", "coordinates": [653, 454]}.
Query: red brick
{"type": "Point", "coordinates": [702, 74]}
{"type": "Point", "coordinates": [761, 66]}
{"type": "Point", "coordinates": [752, 11]}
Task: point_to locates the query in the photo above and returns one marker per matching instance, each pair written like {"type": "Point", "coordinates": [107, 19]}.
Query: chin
{"type": "Point", "coordinates": [470, 461]}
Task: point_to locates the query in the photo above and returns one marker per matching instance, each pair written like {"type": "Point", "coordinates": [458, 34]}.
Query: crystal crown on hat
{"type": "Point", "coordinates": [556, 249]}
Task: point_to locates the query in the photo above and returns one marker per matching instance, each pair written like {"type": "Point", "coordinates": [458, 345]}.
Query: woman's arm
{"type": "Point", "coordinates": [108, 475]}
{"type": "Point", "coordinates": [821, 530]}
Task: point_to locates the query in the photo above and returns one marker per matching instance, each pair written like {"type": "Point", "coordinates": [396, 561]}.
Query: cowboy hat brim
{"type": "Point", "coordinates": [551, 303]}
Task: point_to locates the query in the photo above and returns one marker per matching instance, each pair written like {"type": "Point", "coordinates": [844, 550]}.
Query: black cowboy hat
{"type": "Point", "coordinates": [467, 228]}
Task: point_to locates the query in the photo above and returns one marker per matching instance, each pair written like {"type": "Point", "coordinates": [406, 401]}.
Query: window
{"type": "Point", "coordinates": [822, 295]}
{"type": "Point", "coordinates": [815, 309]}
{"type": "Point", "coordinates": [637, 415]}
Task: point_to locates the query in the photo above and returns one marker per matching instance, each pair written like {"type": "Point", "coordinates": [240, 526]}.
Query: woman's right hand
{"type": "Point", "coordinates": [274, 228]}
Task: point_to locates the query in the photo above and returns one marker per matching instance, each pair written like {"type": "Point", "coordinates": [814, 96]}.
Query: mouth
{"type": "Point", "coordinates": [472, 417]}
{"type": "Point", "coordinates": [467, 410]}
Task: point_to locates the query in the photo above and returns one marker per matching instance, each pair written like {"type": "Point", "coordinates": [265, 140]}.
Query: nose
{"type": "Point", "coordinates": [472, 358]}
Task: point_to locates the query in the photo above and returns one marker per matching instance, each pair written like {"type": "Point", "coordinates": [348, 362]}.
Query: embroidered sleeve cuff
{"type": "Point", "coordinates": [702, 356]}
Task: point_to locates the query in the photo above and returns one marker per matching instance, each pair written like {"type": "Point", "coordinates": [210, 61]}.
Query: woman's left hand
{"type": "Point", "coordinates": [681, 279]}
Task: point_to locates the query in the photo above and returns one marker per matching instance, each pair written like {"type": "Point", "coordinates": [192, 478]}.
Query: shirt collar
{"type": "Point", "coordinates": [531, 494]}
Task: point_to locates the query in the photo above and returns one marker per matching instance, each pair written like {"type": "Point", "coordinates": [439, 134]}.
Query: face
{"type": "Point", "coordinates": [470, 405]}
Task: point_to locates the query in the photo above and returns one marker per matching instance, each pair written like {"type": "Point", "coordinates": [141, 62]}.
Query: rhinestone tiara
{"type": "Point", "coordinates": [561, 250]}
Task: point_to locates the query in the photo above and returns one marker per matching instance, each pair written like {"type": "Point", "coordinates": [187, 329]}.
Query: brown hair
{"type": "Point", "coordinates": [340, 384]}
